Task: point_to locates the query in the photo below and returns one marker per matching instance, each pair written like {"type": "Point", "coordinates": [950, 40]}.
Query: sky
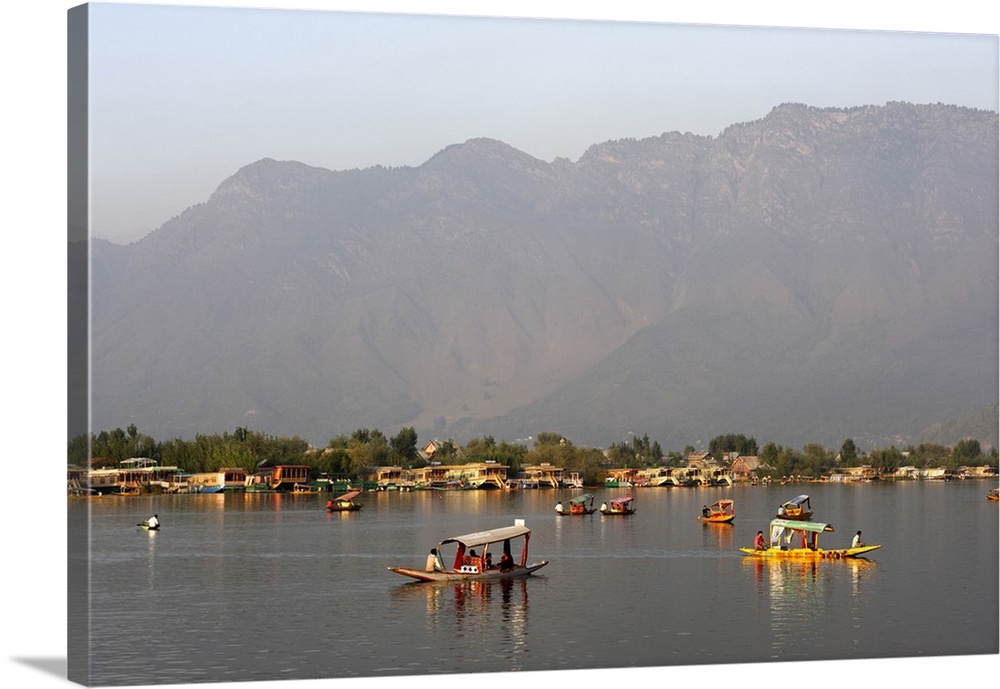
{"type": "Point", "coordinates": [181, 97]}
{"type": "Point", "coordinates": [33, 263]}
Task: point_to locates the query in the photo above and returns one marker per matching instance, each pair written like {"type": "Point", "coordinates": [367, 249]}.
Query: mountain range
{"type": "Point", "coordinates": [817, 274]}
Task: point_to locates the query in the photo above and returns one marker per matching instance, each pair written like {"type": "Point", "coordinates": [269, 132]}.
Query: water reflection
{"type": "Point", "coordinates": [718, 536]}
{"type": "Point", "coordinates": [799, 594]}
{"type": "Point", "coordinates": [495, 610]}
{"type": "Point", "coordinates": [151, 536]}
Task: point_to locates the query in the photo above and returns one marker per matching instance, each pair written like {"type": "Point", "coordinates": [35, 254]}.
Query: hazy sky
{"type": "Point", "coordinates": [183, 96]}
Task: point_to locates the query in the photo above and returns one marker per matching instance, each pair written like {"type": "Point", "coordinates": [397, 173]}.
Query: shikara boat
{"type": "Point", "coordinates": [719, 512]}
{"type": "Point", "coordinates": [793, 539]}
{"type": "Point", "coordinates": [468, 565]}
{"type": "Point", "coordinates": [796, 508]}
{"type": "Point", "coordinates": [344, 503]}
{"type": "Point", "coordinates": [994, 494]}
{"type": "Point", "coordinates": [625, 505]}
{"type": "Point", "coordinates": [583, 504]}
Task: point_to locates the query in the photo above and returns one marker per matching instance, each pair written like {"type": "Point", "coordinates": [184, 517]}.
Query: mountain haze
{"type": "Point", "coordinates": [815, 275]}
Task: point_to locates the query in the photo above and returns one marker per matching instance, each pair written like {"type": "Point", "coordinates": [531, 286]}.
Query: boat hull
{"type": "Point", "coordinates": [808, 554]}
{"type": "Point", "coordinates": [451, 575]}
{"type": "Point", "coordinates": [727, 519]}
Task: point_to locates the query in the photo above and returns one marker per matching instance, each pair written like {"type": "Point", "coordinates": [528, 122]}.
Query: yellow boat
{"type": "Point", "coordinates": [719, 512]}
{"type": "Point", "coordinates": [803, 535]}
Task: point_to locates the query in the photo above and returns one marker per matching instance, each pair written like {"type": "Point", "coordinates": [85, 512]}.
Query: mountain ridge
{"type": "Point", "coordinates": [489, 292]}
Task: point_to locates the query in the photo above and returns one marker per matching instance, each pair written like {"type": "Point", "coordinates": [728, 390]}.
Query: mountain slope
{"type": "Point", "coordinates": [814, 275]}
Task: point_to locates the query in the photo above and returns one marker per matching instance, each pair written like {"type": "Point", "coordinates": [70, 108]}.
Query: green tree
{"type": "Point", "coordinates": [966, 452]}
{"type": "Point", "coordinates": [404, 445]}
{"type": "Point", "coordinates": [849, 453]}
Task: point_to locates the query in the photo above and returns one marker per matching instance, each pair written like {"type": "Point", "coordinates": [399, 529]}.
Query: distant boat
{"type": "Point", "coordinates": [993, 494]}
{"type": "Point", "coordinates": [719, 512]}
{"type": "Point", "coordinates": [344, 503]}
{"type": "Point", "coordinates": [622, 506]}
{"type": "Point", "coordinates": [467, 565]}
{"type": "Point", "coordinates": [803, 534]}
{"type": "Point", "coordinates": [583, 504]}
{"type": "Point", "coordinates": [796, 508]}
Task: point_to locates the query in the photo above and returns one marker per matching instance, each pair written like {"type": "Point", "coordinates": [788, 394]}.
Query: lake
{"type": "Point", "coordinates": [268, 586]}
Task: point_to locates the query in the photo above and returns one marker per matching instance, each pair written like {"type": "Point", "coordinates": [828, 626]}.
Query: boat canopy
{"type": "Point", "coordinates": [492, 536]}
{"type": "Point", "coordinates": [349, 496]}
{"type": "Point", "coordinates": [798, 501]}
{"type": "Point", "coordinates": [719, 504]}
{"type": "Point", "coordinates": [816, 527]}
{"type": "Point", "coordinates": [581, 500]}
{"type": "Point", "coordinates": [621, 501]}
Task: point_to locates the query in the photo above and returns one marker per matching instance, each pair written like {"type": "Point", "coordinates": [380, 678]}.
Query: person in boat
{"type": "Point", "coordinates": [489, 560]}
{"type": "Point", "coordinates": [559, 507]}
{"type": "Point", "coordinates": [760, 543]}
{"type": "Point", "coordinates": [705, 512]}
{"type": "Point", "coordinates": [434, 561]}
{"type": "Point", "coordinates": [153, 522]}
{"type": "Point", "coordinates": [856, 543]}
{"type": "Point", "coordinates": [604, 506]}
{"type": "Point", "coordinates": [329, 504]}
{"type": "Point", "coordinates": [781, 510]}
{"type": "Point", "coordinates": [506, 562]}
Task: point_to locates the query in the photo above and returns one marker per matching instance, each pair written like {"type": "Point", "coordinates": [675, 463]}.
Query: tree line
{"type": "Point", "coordinates": [347, 456]}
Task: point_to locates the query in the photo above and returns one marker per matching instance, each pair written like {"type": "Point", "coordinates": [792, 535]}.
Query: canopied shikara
{"type": "Point", "coordinates": [619, 506]}
{"type": "Point", "coordinates": [796, 508]}
{"type": "Point", "coordinates": [344, 503]}
{"type": "Point", "coordinates": [583, 504]}
{"type": "Point", "coordinates": [720, 512]}
{"type": "Point", "coordinates": [468, 565]}
{"type": "Point", "coordinates": [797, 540]}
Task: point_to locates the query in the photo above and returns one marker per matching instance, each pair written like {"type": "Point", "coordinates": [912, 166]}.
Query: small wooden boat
{"type": "Point", "coordinates": [994, 494]}
{"type": "Point", "coordinates": [467, 565]}
{"type": "Point", "coordinates": [146, 526]}
{"type": "Point", "coordinates": [344, 503]}
{"type": "Point", "coordinates": [583, 504]}
{"type": "Point", "coordinates": [796, 508]}
{"type": "Point", "coordinates": [719, 512]}
{"type": "Point", "coordinates": [786, 533]}
{"type": "Point", "coordinates": [623, 506]}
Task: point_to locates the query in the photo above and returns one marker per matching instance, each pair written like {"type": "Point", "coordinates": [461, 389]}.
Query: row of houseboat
{"type": "Point", "coordinates": [143, 475]}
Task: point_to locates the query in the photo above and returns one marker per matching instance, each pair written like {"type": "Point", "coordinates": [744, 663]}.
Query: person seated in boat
{"type": "Point", "coordinates": [434, 562]}
{"type": "Point", "coordinates": [705, 512]}
{"type": "Point", "coordinates": [506, 562]}
{"type": "Point", "coordinates": [760, 543]}
{"type": "Point", "coordinates": [329, 504]}
{"type": "Point", "coordinates": [781, 510]}
{"type": "Point", "coordinates": [559, 507]}
{"type": "Point", "coordinates": [604, 507]}
{"type": "Point", "coordinates": [489, 560]}
{"type": "Point", "coordinates": [153, 522]}
{"type": "Point", "coordinates": [856, 543]}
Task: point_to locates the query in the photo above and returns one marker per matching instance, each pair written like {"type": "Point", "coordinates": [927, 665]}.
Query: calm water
{"type": "Point", "coordinates": [264, 587]}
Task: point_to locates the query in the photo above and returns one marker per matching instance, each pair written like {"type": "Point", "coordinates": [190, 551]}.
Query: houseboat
{"type": "Point", "coordinates": [792, 539]}
{"type": "Point", "coordinates": [542, 475]}
{"type": "Point", "coordinates": [229, 479]}
{"type": "Point", "coordinates": [131, 477]}
{"type": "Point", "coordinates": [469, 565]}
